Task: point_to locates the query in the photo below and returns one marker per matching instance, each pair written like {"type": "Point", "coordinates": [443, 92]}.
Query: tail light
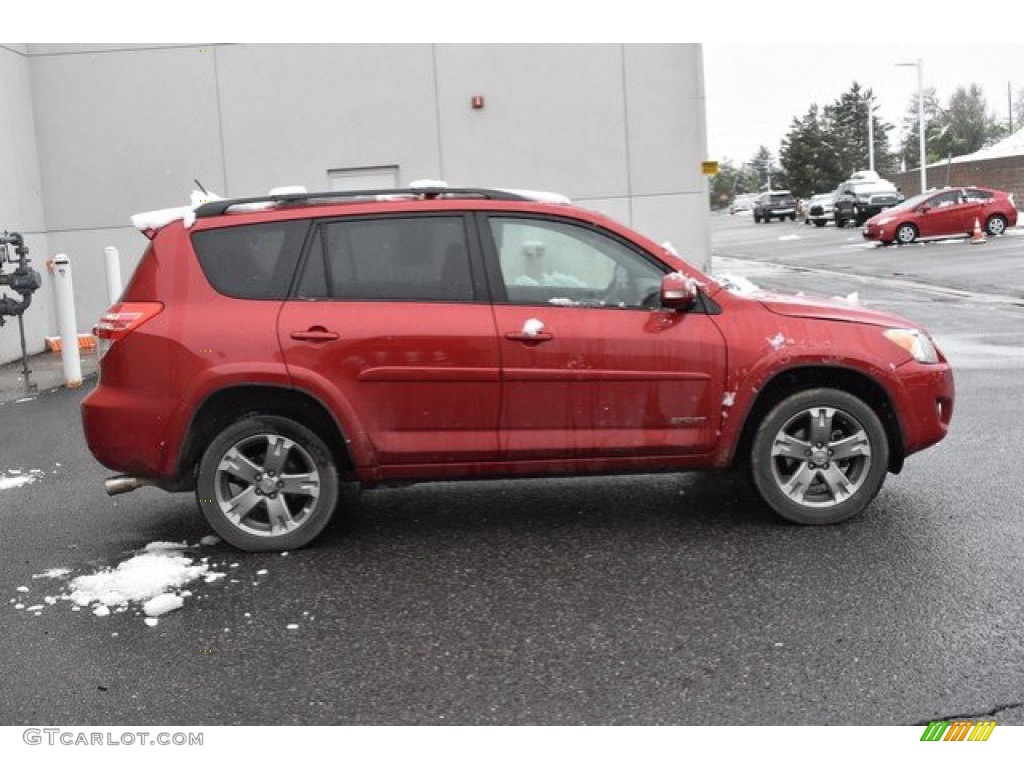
{"type": "Point", "coordinates": [122, 319]}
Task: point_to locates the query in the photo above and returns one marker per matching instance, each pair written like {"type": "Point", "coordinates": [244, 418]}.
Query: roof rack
{"type": "Point", "coordinates": [218, 207]}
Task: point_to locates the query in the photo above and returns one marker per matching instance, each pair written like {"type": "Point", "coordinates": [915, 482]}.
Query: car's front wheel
{"type": "Point", "coordinates": [996, 225]}
{"type": "Point", "coordinates": [267, 483]}
{"type": "Point", "coordinates": [906, 234]}
{"type": "Point", "coordinates": [820, 456]}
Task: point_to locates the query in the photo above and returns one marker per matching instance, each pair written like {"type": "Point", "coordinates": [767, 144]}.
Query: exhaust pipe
{"type": "Point", "coordinates": [123, 484]}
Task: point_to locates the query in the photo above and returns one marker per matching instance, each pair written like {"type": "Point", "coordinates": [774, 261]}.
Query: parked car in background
{"type": "Point", "coordinates": [743, 203]}
{"type": "Point", "coordinates": [268, 348]}
{"type": "Point", "coordinates": [775, 204]}
{"type": "Point", "coordinates": [862, 196]}
{"type": "Point", "coordinates": [820, 209]}
{"type": "Point", "coordinates": [950, 212]}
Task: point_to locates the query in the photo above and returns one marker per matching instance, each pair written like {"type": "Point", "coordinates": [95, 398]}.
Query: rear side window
{"type": "Point", "coordinates": [421, 258]}
{"type": "Point", "coordinates": [253, 261]}
{"type": "Point", "coordinates": [977, 195]}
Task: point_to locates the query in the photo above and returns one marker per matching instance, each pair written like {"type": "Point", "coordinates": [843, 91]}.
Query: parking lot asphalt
{"type": "Point", "coordinates": [632, 600]}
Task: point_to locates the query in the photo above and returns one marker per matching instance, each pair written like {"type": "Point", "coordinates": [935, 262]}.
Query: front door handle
{"type": "Point", "coordinates": [316, 333]}
{"type": "Point", "coordinates": [529, 337]}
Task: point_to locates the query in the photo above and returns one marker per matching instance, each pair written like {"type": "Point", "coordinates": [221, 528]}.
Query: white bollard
{"type": "Point", "coordinates": [112, 261]}
{"type": "Point", "coordinates": [69, 354]}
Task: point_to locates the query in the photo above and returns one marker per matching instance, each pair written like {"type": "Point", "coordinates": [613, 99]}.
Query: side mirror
{"type": "Point", "coordinates": [923, 208]}
{"type": "Point", "coordinates": [678, 291]}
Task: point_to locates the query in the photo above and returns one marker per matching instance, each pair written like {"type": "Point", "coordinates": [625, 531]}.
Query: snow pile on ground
{"type": "Point", "coordinates": [136, 580]}
{"type": "Point", "coordinates": [15, 478]}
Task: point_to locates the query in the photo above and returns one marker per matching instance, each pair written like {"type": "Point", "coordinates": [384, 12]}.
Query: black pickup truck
{"type": "Point", "coordinates": [862, 196]}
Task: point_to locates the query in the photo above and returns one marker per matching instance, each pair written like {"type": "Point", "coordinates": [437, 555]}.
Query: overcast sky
{"type": "Point", "coordinates": [754, 91]}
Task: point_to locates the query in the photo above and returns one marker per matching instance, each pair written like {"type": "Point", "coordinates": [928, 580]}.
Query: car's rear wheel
{"type": "Point", "coordinates": [267, 483]}
{"type": "Point", "coordinates": [996, 225]}
{"type": "Point", "coordinates": [906, 234]}
{"type": "Point", "coordinates": [820, 457]}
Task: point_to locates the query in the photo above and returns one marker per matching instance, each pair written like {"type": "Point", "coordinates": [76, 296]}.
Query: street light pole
{"type": "Point", "coordinates": [871, 135]}
{"type": "Point", "coordinates": [920, 118]}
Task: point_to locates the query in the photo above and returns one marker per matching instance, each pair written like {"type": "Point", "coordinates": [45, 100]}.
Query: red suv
{"type": "Point", "coordinates": [267, 348]}
{"type": "Point", "coordinates": [943, 213]}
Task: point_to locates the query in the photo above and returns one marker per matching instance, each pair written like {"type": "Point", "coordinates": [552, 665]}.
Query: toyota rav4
{"type": "Point", "coordinates": [267, 349]}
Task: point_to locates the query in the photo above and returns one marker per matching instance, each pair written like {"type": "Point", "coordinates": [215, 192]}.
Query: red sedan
{"type": "Point", "coordinates": [950, 212]}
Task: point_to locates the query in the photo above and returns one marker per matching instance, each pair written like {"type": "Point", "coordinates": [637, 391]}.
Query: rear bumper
{"type": "Point", "coordinates": [128, 431]}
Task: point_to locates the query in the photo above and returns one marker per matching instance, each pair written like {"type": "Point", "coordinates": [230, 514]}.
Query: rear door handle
{"type": "Point", "coordinates": [316, 333]}
{"type": "Point", "coordinates": [529, 337]}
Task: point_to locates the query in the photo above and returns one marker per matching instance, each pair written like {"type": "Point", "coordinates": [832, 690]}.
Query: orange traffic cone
{"type": "Point", "coordinates": [977, 237]}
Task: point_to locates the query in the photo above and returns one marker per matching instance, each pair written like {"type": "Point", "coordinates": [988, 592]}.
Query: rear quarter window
{"type": "Point", "coordinates": [252, 261]}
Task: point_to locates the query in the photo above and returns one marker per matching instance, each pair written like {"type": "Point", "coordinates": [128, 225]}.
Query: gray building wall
{"type": "Point", "coordinates": [21, 202]}
{"type": "Point", "coordinates": [115, 130]}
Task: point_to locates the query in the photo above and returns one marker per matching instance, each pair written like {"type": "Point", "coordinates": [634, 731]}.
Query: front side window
{"type": "Point", "coordinates": [946, 199]}
{"type": "Point", "coordinates": [547, 262]}
{"type": "Point", "coordinates": [421, 258]}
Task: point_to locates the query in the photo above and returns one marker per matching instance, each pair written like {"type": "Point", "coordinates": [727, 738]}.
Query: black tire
{"type": "Point", "coordinates": [905, 234]}
{"type": "Point", "coordinates": [757, 219]}
{"type": "Point", "coordinates": [840, 222]}
{"type": "Point", "coordinates": [236, 468]}
{"type": "Point", "coordinates": [819, 222]}
{"type": "Point", "coordinates": [792, 217]}
{"type": "Point", "coordinates": [996, 225]}
{"type": "Point", "coordinates": [818, 489]}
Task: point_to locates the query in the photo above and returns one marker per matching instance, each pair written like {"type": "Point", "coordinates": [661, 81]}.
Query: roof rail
{"type": "Point", "coordinates": [218, 207]}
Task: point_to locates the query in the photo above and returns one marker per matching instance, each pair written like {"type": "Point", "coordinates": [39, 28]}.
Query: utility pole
{"type": "Point", "coordinates": [871, 134]}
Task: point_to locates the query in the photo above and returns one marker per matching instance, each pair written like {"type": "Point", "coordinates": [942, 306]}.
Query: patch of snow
{"type": "Point", "coordinates": [560, 301]}
{"type": "Point", "coordinates": [777, 340]}
{"type": "Point", "coordinates": [15, 478]}
{"type": "Point", "coordinates": [428, 184]}
{"type": "Point", "coordinates": [292, 626]}
{"type": "Point", "coordinates": [668, 247]}
{"type": "Point", "coordinates": [540, 196]}
{"type": "Point", "coordinates": [790, 237]}
{"type": "Point", "coordinates": [164, 216]}
{"type": "Point", "coordinates": [737, 284]}
{"type": "Point", "coordinates": [850, 298]}
{"type": "Point", "coordinates": [209, 541]}
{"type": "Point", "coordinates": [729, 399]}
{"type": "Point", "coordinates": [532, 327]}
{"type": "Point", "coordinates": [262, 572]}
{"type": "Point", "coordinates": [24, 400]}
{"type": "Point", "coordinates": [22, 589]}
{"type": "Point", "coordinates": [160, 546]}
{"type": "Point", "coordinates": [162, 604]}
{"type": "Point", "coordinates": [101, 610]}
{"type": "Point", "coordinates": [37, 607]}
{"type": "Point", "coordinates": [19, 606]}
{"type": "Point", "coordinates": [151, 622]}
{"type": "Point", "coordinates": [137, 580]}
{"type": "Point", "coordinates": [53, 573]}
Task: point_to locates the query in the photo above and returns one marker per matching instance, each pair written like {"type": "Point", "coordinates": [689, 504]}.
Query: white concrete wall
{"type": "Point", "coordinates": [125, 128]}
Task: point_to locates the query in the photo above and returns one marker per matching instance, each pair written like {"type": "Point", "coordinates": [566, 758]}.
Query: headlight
{"type": "Point", "coordinates": [916, 343]}
{"type": "Point", "coordinates": [882, 222]}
